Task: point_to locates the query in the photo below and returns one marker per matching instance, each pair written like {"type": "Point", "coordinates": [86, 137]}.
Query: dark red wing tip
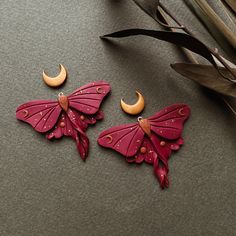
{"type": "Point", "coordinates": [186, 107]}
{"type": "Point", "coordinates": [164, 186]}
{"type": "Point", "coordinates": [99, 139]}
{"type": "Point", "coordinates": [84, 158]}
{"type": "Point", "coordinates": [106, 83]}
{"type": "Point", "coordinates": [100, 115]}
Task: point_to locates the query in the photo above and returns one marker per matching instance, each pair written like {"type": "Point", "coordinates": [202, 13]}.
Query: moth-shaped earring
{"type": "Point", "coordinates": [150, 140]}
{"type": "Point", "coordinates": [69, 115]}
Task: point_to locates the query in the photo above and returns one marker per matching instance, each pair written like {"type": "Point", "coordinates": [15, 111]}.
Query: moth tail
{"type": "Point", "coordinates": [161, 172]}
{"type": "Point", "coordinates": [82, 143]}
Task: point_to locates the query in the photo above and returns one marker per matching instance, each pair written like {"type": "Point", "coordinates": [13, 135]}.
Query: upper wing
{"type": "Point", "coordinates": [42, 115]}
{"type": "Point", "coordinates": [125, 139]}
{"type": "Point", "coordinates": [168, 123]}
{"type": "Point", "coordinates": [88, 98]}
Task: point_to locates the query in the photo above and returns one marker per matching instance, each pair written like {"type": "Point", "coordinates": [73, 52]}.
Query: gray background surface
{"type": "Point", "coordinates": [46, 189]}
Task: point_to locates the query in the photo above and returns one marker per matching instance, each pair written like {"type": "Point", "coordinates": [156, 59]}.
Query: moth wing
{"type": "Point", "coordinates": [88, 98]}
{"type": "Point", "coordinates": [125, 139]}
{"type": "Point", "coordinates": [42, 115]}
{"type": "Point", "coordinates": [168, 123]}
{"type": "Point", "coordinates": [65, 127]}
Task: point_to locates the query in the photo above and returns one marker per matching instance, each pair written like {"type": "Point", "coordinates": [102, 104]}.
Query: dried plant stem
{"type": "Point", "coordinates": [216, 21]}
{"type": "Point", "coordinates": [229, 105]}
{"type": "Point", "coordinates": [191, 57]}
{"type": "Point", "coordinates": [187, 52]}
{"type": "Point", "coordinates": [213, 52]}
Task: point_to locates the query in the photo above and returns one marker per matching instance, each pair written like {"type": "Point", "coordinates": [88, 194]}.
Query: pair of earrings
{"type": "Point", "coordinates": [149, 140]}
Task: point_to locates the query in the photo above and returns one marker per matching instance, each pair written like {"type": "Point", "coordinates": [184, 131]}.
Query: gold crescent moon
{"type": "Point", "coordinates": [135, 108]}
{"type": "Point", "coordinates": [109, 139]}
{"type": "Point", "coordinates": [55, 81]}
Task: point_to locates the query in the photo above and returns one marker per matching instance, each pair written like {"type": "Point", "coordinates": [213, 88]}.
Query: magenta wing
{"type": "Point", "coordinates": [81, 109]}
{"type": "Point", "coordinates": [63, 127]}
{"type": "Point", "coordinates": [168, 123]}
{"type": "Point", "coordinates": [74, 124]}
{"type": "Point", "coordinates": [86, 120]}
{"type": "Point", "coordinates": [81, 139]}
{"type": "Point", "coordinates": [42, 115]}
{"type": "Point", "coordinates": [146, 153]}
{"type": "Point", "coordinates": [130, 140]}
{"type": "Point", "coordinates": [165, 148]}
{"type": "Point", "coordinates": [87, 99]}
{"type": "Point", "coordinates": [125, 139]}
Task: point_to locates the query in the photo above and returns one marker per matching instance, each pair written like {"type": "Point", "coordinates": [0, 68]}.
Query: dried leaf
{"type": "Point", "coordinates": [180, 39]}
{"type": "Point", "coordinates": [208, 77]}
{"type": "Point", "coordinates": [156, 9]}
{"type": "Point", "coordinates": [230, 63]}
{"type": "Point", "coordinates": [219, 29]}
{"type": "Point", "coordinates": [232, 4]}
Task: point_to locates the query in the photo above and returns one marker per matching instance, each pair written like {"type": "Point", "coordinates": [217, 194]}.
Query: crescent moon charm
{"type": "Point", "coordinates": [26, 113]}
{"type": "Point", "coordinates": [135, 108]}
{"type": "Point", "coordinates": [109, 139]}
{"type": "Point", "coordinates": [181, 112]}
{"type": "Point", "coordinates": [99, 90]}
{"type": "Point", "coordinates": [55, 81]}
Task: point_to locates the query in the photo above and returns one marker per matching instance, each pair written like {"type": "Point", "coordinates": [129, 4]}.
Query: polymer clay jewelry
{"type": "Point", "coordinates": [58, 80]}
{"type": "Point", "coordinates": [150, 140]}
{"type": "Point", "coordinates": [135, 108]}
{"type": "Point", "coordinates": [69, 115]}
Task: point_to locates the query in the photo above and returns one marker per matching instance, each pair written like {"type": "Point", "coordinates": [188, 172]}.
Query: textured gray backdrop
{"type": "Point", "coordinates": [46, 189]}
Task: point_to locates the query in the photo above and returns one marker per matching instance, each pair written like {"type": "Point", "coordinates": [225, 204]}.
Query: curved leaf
{"type": "Point", "coordinates": [207, 76]}
{"type": "Point", "coordinates": [180, 39]}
